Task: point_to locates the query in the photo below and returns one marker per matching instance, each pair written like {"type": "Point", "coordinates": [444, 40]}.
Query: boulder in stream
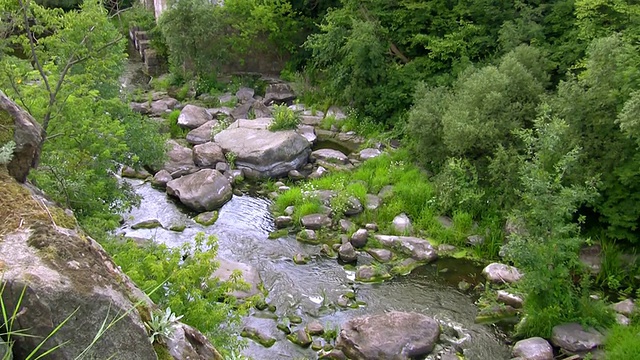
{"type": "Point", "coordinates": [390, 336]}
{"type": "Point", "coordinates": [263, 153]}
{"type": "Point", "coordinates": [208, 155]}
{"type": "Point", "coordinates": [205, 190]}
{"type": "Point", "coordinates": [258, 336]}
{"type": "Point", "coordinates": [418, 249]}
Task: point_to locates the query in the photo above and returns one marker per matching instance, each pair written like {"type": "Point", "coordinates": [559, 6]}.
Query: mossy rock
{"type": "Point", "coordinates": [63, 219]}
{"type": "Point", "coordinates": [372, 274]}
{"type": "Point", "coordinates": [255, 335]}
{"type": "Point", "coordinates": [295, 319]}
{"type": "Point", "coordinates": [278, 234]}
{"type": "Point", "coordinates": [178, 227]}
{"type": "Point", "coordinates": [300, 337]}
{"type": "Point", "coordinates": [207, 218]}
{"type": "Point", "coordinates": [284, 326]}
{"type": "Point", "coordinates": [147, 224]}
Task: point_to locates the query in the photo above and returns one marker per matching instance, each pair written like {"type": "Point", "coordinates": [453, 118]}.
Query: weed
{"type": "Point", "coordinates": [162, 325]}
{"type": "Point", "coordinates": [175, 130]}
{"type": "Point", "coordinates": [284, 119]}
{"type": "Point", "coordinates": [231, 159]}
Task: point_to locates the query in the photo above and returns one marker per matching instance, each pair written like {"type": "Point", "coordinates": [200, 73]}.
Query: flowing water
{"type": "Point", "coordinates": [242, 229]}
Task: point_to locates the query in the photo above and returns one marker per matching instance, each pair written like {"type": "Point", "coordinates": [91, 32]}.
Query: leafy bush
{"type": "Point", "coordinates": [457, 188]}
{"type": "Point", "coordinates": [176, 131]}
{"type": "Point", "coordinates": [182, 277]}
{"type": "Point", "coordinates": [284, 119]}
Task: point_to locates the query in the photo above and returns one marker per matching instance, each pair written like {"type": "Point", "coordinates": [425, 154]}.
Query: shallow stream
{"type": "Point", "coordinates": [242, 230]}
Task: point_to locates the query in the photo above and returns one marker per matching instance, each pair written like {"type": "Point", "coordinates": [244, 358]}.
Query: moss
{"type": "Point", "coordinates": [162, 351]}
{"type": "Point", "coordinates": [178, 227]}
{"type": "Point", "coordinates": [6, 127]}
{"type": "Point", "coordinates": [278, 234]}
{"type": "Point", "coordinates": [207, 218]}
{"type": "Point", "coordinates": [62, 219]}
{"type": "Point", "coordinates": [18, 208]}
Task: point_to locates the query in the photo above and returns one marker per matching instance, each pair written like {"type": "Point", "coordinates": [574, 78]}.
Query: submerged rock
{"type": "Point", "coordinates": [250, 275]}
{"type": "Point", "coordinates": [390, 336]}
{"type": "Point", "coordinates": [258, 336]}
{"type": "Point", "coordinates": [205, 190]}
{"type": "Point", "coordinates": [206, 218]}
{"type": "Point", "coordinates": [147, 224]}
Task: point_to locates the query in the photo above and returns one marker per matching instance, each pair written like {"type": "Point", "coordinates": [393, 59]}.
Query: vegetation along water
{"type": "Point", "coordinates": [306, 173]}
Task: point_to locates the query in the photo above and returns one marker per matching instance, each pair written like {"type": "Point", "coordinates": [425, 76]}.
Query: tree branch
{"type": "Point", "coordinates": [394, 49]}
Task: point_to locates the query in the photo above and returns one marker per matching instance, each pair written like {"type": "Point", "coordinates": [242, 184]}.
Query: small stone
{"type": "Point", "coordinates": [161, 178]}
{"type": "Point", "coordinates": [283, 221]}
{"type": "Point", "coordinates": [147, 224]}
{"type": "Point", "coordinates": [327, 251]}
{"type": "Point", "coordinates": [284, 326]}
{"type": "Point", "coordinates": [300, 259]}
{"type": "Point", "coordinates": [386, 192]}
{"type": "Point", "coordinates": [367, 273]}
{"type": "Point", "coordinates": [354, 206]}
{"type": "Point", "coordinates": [278, 184]}
{"type": "Point", "coordinates": [445, 221]}
{"type": "Point", "coordinates": [316, 345]}
{"type": "Point", "coordinates": [289, 210]}
{"type": "Point", "coordinates": [359, 238]}
{"type": "Point", "coordinates": [347, 253]}
{"type": "Point", "coordinates": [367, 154]}
{"type": "Point", "coordinates": [178, 227]}
{"type": "Point", "coordinates": [402, 224]}
{"type": "Point", "coordinates": [626, 307]}
{"type": "Point", "coordinates": [315, 328]}
{"type": "Point", "coordinates": [345, 225]}
{"type": "Point", "coordinates": [295, 319]}
{"type": "Point", "coordinates": [622, 320]}
{"type": "Point", "coordinates": [343, 301]}
{"type": "Point", "coordinates": [382, 255]}
{"type": "Point", "coordinates": [501, 273]}
{"type": "Point", "coordinates": [308, 236]}
{"type": "Point", "coordinates": [446, 248]}
{"type": "Point", "coordinates": [300, 337]}
{"type": "Point", "coordinates": [318, 173]}
{"type": "Point", "coordinates": [207, 218]}
{"type": "Point", "coordinates": [295, 175]}
{"type": "Point", "coordinates": [334, 354]}
{"type": "Point", "coordinates": [371, 227]}
{"type": "Point", "coordinates": [510, 299]}
{"type": "Point", "coordinates": [373, 202]}
{"type": "Point", "coordinates": [535, 348]}
{"type": "Point", "coordinates": [258, 336]}
{"type": "Point", "coordinates": [475, 240]}
{"type": "Point", "coordinates": [315, 221]}
{"type": "Point", "coordinates": [223, 167]}
{"type": "Point", "coordinates": [464, 286]}
{"type": "Point", "coordinates": [130, 172]}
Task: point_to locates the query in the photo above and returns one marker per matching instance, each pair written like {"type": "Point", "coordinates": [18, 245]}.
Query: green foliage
{"type": "Point", "coordinates": [623, 342]}
{"type": "Point", "coordinates": [162, 325]}
{"type": "Point", "coordinates": [284, 119]}
{"type": "Point", "coordinates": [6, 152]}
{"type": "Point", "coordinates": [555, 287]}
{"type": "Point", "coordinates": [182, 277]}
{"type": "Point", "coordinates": [457, 188]}
{"type": "Point", "coordinates": [176, 131]}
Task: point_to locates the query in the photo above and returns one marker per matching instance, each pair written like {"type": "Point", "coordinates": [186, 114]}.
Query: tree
{"type": "Point", "coordinates": [63, 68]}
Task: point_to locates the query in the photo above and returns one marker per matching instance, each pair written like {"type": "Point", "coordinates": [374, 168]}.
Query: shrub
{"type": "Point", "coordinates": [284, 119]}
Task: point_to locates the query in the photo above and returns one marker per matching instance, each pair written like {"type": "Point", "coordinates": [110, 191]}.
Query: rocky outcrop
{"type": "Point", "coordinates": [204, 190]}
{"type": "Point", "coordinates": [27, 135]}
{"type": "Point", "coordinates": [390, 336]}
{"type": "Point", "coordinates": [260, 152]}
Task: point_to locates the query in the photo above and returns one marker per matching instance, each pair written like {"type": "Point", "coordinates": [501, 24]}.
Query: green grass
{"type": "Point", "coordinates": [623, 342]}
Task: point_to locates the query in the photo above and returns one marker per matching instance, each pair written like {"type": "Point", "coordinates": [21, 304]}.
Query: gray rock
{"type": "Point", "coordinates": [510, 299]}
{"type": "Point", "coordinates": [5, 350]}
{"type": "Point", "coordinates": [622, 320]}
{"type": "Point", "coordinates": [371, 226]}
{"type": "Point", "coordinates": [345, 225]}
{"type": "Point", "coordinates": [206, 218]}
{"type": "Point", "coordinates": [208, 155]}
{"type": "Point", "coordinates": [295, 175]}
{"type": "Point", "coordinates": [221, 112]}
{"type": "Point", "coordinates": [235, 175]}
{"type": "Point", "coordinates": [501, 273]}
{"type": "Point", "coordinates": [591, 257]}
{"type": "Point", "coordinates": [535, 348]}
{"type": "Point", "coordinates": [382, 255]}
{"type": "Point", "coordinates": [161, 178]}
{"type": "Point", "coordinates": [262, 152]}
{"type": "Point", "coordinates": [68, 276]}
{"type": "Point", "coordinates": [402, 224]}
{"type": "Point", "coordinates": [369, 153]}
{"type": "Point", "coordinates": [129, 172]}
{"type": "Point", "coordinates": [179, 160]}
{"type": "Point", "coordinates": [386, 192]}
{"type": "Point", "coordinates": [307, 235]}
{"type": "Point", "coordinates": [241, 111]}
{"type": "Point", "coordinates": [315, 328]}
{"type": "Point", "coordinates": [330, 156]}
{"type": "Point", "coordinates": [192, 117]}
{"type": "Point", "coordinates": [205, 190]}
{"type": "Point", "coordinates": [143, 108]}
{"type": "Point", "coordinates": [163, 106]}
{"type": "Point", "coordinates": [359, 238]}
{"type": "Point", "coordinates": [289, 210]}
{"type": "Point", "coordinates": [280, 93]}
{"type": "Point", "coordinates": [389, 336]}
{"type": "Point", "coordinates": [308, 133]}
{"type": "Point", "coordinates": [250, 275]}
{"type": "Point", "coordinates": [334, 354]}
{"type": "Point", "coordinates": [202, 134]}
{"type": "Point", "coordinates": [446, 248]}
{"type": "Point", "coordinates": [315, 221]}
{"type": "Point", "coordinates": [27, 135]}
{"type": "Point", "coordinates": [258, 335]}
{"type": "Point", "coordinates": [223, 167]}
{"type": "Point", "coordinates": [418, 249]}
{"type": "Point", "coordinates": [373, 202]}
{"type": "Point", "coordinates": [186, 342]}
{"type": "Point", "coordinates": [147, 224]}
{"type": "Point", "coordinates": [245, 94]}
{"type": "Point", "coordinates": [445, 221]}
{"type": "Point", "coordinates": [347, 253]}
{"type": "Point", "coordinates": [366, 273]}
{"type": "Point", "coordinates": [475, 240]}
{"type": "Point", "coordinates": [226, 98]}
{"type": "Point", "coordinates": [626, 307]}
{"type": "Point", "coordinates": [300, 259]}
{"type": "Point", "coordinates": [318, 173]}
{"type": "Point", "coordinates": [283, 221]}
{"type": "Point", "coordinates": [310, 120]}
{"type": "Point", "coordinates": [260, 110]}
{"type": "Point", "coordinates": [354, 206]}
{"type": "Point", "coordinates": [574, 338]}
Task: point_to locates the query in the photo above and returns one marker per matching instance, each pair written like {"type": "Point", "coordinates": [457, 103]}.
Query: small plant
{"type": "Point", "coordinates": [162, 325]}
{"type": "Point", "coordinates": [231, 159]}
{"type": "Point", "coordinates": [6, 152]}
{"type": "Point", "coordinates": [284, 119]}
{"type": "Point", "coordinates": [175, 131]}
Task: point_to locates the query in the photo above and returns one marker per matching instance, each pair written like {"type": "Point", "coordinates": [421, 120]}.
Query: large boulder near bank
{"type": "Point", "coordinates": [207, 155]}
{"type": "Point", "coordinates": [535, 348]}
{"type": "Point", "coordinates": [418, 249]}
{"type": "Point", "coordinates": [250, 275]}
{"type": "Point", "coordinates": [69, 277]}
{"type": "Point", "coordinates": [501, 273]}
{"type": "Point", "coordinates": [263, 153]}
{"type": "Point", "coordinates": [204, 190]}
{"type": "Point", "coordinates": [330, 156]}
{"type": "Point", "coordinates": [27, 135]}
{"type": "Point", "coordinates": [576, 339]}
{"type": "Point", "coordinates": [202, 134]}
{"type": "Point", "coordinates": [390, 336]}
{"type": "Point", "coordinates": [192, 117]}
{"type": "Point", "coordinates": [179, 160]}
{"type": "Point", "coordinates": [315, 221]}
{"type": "Point", "coordinates": [278, 94]}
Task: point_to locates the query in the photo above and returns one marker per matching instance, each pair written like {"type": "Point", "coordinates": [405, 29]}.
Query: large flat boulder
{"type": "Point", "coordinates": [391, 336]}
{"type": "Point", "coordinates": [204, 190]}
{"type": "Point", "coordinates": [262, 153]}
